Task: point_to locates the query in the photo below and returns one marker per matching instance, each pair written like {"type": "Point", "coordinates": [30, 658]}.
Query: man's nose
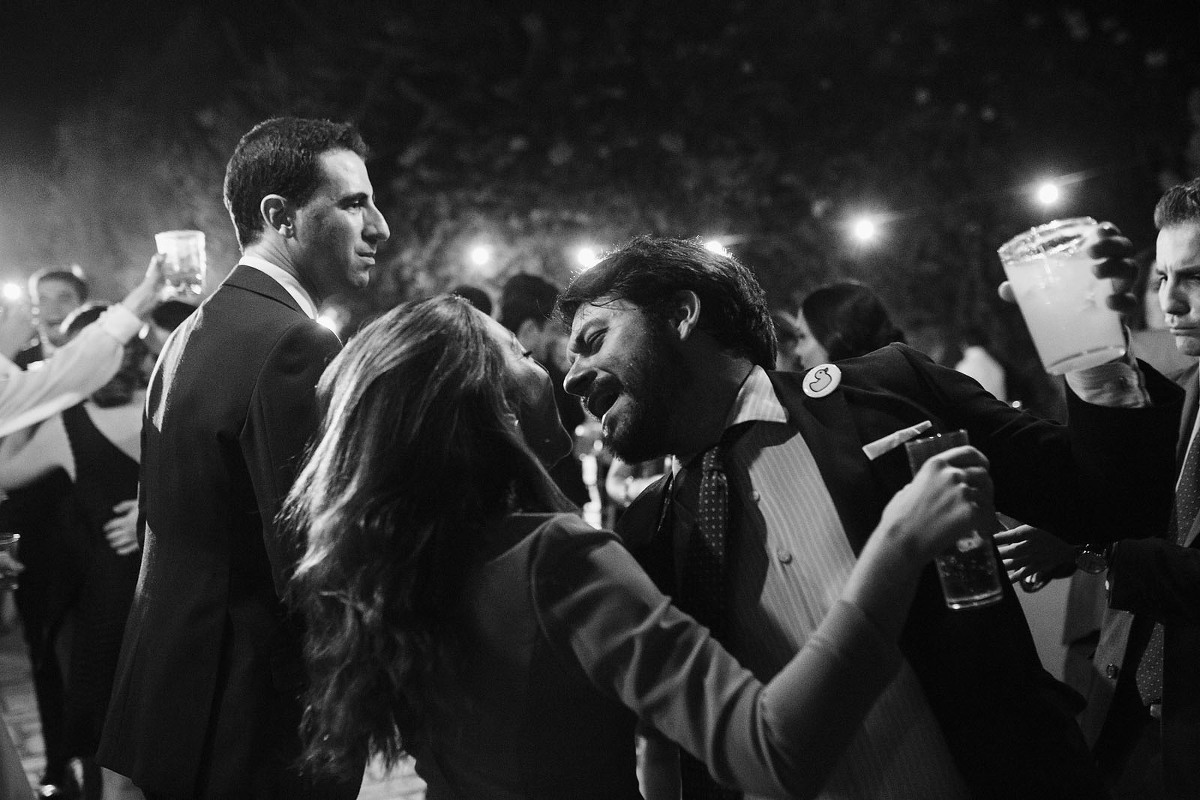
{"type": "Point", "coordinates": [377, 230]}
{"type": "Point", "coordinates": [578, 378]}
{"type": "Point", "coordinates": [1171, 300]}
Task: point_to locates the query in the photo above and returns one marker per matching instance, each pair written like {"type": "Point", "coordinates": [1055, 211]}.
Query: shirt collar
{"type": "Point", "coordinates": [285, 279]}
{"type": "Point", "coordinates": [756, 401]}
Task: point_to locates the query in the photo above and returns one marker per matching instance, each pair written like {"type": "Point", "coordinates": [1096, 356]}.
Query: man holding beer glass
{"type": "Point", "coordinates": [674, 350]}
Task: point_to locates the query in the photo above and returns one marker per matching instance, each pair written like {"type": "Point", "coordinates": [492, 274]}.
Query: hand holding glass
{"type": "Point", "coordinates": [967, 569]}
{"type": "Point", "coordinates": [185, 264]}
{"type": "Point", "coordinates": [1064, 304]}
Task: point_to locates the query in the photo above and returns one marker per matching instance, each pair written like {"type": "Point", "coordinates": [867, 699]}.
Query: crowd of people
{"type": "Point", "coordinates": [279, 555]}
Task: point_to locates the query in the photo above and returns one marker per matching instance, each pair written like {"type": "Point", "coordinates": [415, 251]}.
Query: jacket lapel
{"type": "Point", "coordinates": [830, 430]}
{"type": "Point", "coordinates": [257, 281]}
{"type": "Point", "coordinates": [835, 427]}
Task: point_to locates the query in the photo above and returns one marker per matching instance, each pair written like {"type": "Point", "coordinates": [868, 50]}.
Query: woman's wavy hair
{"type": "Point", "coordinates": [417, 454]}
{"type": "Point", "coordinates": [848, 319]}
{"type": "Point", "coordinates": [131, 375]}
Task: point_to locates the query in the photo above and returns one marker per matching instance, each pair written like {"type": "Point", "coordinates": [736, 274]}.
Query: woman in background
{"type": "Point", "coordinates": [98, 443]}
{"type": "Point", "coordinates": [842, 320]}
{"type": "Point", "coordinates": [453, 611]}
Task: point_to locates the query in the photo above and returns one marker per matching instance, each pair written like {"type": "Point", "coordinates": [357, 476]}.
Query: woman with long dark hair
{"type": "Point", "coordinates": [458, 609]}
{"type": "Point", "coordinates": [842, 320]}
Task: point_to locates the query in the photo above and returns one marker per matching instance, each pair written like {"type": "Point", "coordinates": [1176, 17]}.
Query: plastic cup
{"type": "Point", "coordinates": [8, 544]}
{"type": "Point", "coordinates": [185, 265]}
{"type": "Point", "coordinates": [967, 569]}
{"type": "Point", "coordinates": [1062, 302]}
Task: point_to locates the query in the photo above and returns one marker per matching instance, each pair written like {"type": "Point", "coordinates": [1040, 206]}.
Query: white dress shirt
{"type": "Point", "coordinates": [76, 369]}
{"type": "Point", "coordinates": [900, 751]}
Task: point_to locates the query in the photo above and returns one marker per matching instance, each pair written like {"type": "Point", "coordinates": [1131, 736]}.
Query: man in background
{"type": "Point", "coordinates": [53, 294]}
{"type": "Point", "coordinates": [206, 702]}
{"type": "Point", "coordinates": [76, 369]}
{"type": "Point", "coordinates": [1144, 711]}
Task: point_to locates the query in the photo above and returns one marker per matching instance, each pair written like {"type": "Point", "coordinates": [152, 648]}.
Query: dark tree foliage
{"type": "Point", "coordinates": [539, 126]}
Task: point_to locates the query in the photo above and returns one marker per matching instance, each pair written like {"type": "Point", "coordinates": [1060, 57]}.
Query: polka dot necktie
{"type": "Point", "coordinates": [704, 591]}
{"type": "Point", "coordinates": [704, 579]}
{"type": "Point", "coordinates": [1187, 504]}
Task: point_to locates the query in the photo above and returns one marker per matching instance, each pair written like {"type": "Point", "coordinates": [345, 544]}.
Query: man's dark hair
{"type": "Point", "coordinates": [525, 297]}
{"type": "Point", "coordinates": [1181, 204]}
{"type": "Point", "coordinates": [848, 319]}
{"type": "Point", "coordinates": [280, 156]}
{"type": "Point", "coordinates": [170, 314]}
{"type": "Point", "coordinates": [130, 377]}
{"type": "Point", "coordinates": [69, 276]}
{"type": "Point", "coordinates": [650, 271]}
{"type": "Point", "coordinates": [475, 296]}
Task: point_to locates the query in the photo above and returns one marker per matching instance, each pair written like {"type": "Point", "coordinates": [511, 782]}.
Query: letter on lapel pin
{"type": "Point", "coordinates": [822, 380]}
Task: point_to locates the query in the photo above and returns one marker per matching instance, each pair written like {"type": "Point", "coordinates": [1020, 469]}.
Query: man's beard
{"type": "Point", "coordinates": [655, 379]}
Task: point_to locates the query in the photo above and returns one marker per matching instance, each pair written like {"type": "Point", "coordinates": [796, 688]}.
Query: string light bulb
{"type": "Point", "coordinates": [1048, 193]}
{"type": "Point", "coordinates": [864, 230]}
{"type": "Point", "coordinates": [586, 256]}
{"type": "Point", "coordinates": [480, 255]}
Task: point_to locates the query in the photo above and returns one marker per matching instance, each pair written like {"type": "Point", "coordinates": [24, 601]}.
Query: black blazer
{"type": "Point", "coordinates": [1009, 724]}
{"type": "Point", "coordinates": [210, 665]}
{"type": "Point", "coordinates": [1154, 580]}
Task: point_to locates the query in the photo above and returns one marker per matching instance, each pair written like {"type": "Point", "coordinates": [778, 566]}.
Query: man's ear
{"type": "Point", "coordinates": [277, 214]}
{"type": "Point", "coordinates": [685, 313]}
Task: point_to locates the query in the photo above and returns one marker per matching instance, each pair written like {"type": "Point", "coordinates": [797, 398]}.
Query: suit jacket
{"type": "Point", "coordinates": [1154, 580]}
{"type": "Point", "coordinates": [1008, 723]}
{"type": "Point", "coordinates": [206, 693]}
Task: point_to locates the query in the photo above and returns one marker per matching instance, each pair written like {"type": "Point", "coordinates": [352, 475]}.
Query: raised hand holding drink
{"type": "Point", "coordinates": [1063, 303]}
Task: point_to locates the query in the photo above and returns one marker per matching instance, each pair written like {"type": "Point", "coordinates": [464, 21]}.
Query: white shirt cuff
{"type": "Point", "coordinates": [1117, 384]}
{"type": "Point", "coordinates": [120, 323]}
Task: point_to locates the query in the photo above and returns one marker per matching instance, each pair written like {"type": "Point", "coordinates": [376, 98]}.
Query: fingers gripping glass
{"type": "Point", "coordinates": [967, 569]}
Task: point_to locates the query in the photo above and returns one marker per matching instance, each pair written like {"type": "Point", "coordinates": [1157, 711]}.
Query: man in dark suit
{"type": "Point", "coordinates": [206, 700]}
{"type": "Point", "coordinates": [1144, 710]}
{"type": "Point", "coordinates": [673, 349]}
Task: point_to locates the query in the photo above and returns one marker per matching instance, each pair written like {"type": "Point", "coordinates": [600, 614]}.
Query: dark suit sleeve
{"type": "Point", "coordinates": [1156, 578]}
{"type": "Point", "coordinates": [281, 419]}
{"type": "Point", "coordinates": [1105, 475]}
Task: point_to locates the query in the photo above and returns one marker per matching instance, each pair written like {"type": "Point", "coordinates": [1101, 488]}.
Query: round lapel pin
{"type": "Point", "coordinates": [822, 380]}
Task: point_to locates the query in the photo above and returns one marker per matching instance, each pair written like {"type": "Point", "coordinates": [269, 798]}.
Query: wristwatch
{"type": "Point", "coordinates": [1092, 558]}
